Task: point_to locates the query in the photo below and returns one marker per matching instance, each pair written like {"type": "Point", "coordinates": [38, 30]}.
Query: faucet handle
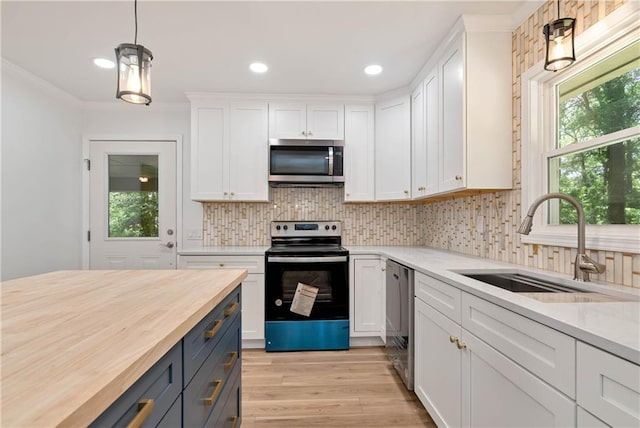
{"type": "Point", "coordinates": [587, 264]}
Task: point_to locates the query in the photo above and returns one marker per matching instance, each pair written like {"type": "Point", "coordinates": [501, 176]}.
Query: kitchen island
{"type": "Point", "coordinates": [74, 341]}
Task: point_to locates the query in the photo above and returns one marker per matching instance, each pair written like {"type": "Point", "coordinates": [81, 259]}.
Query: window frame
{"type": "Point", "coordinates": [538, 122]}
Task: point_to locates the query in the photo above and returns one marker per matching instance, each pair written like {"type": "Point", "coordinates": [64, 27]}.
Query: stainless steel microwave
{"type": "Point", "coordinates": [306, 162]}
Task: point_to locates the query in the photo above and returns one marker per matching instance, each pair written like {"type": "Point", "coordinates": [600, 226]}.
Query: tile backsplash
{"type": "Point", "coordinates": [482, 225]}
{"type": "Point", "coordinates": [364, 224]}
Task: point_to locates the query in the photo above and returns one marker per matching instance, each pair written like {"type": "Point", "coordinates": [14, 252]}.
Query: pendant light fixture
{"type": "Point", "coordinates": [559, 38]}
{"type": "Point", "coordinates": [134, 69]}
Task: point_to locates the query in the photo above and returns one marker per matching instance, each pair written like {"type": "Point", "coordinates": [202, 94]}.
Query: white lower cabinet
{"type": "Point", "coordinates": [437, 381]}
{"type": "Point", "coordinates": [481, 379]}
{"type": "Point", "coordinates": [252, 287]}
{"type": "Point", "coordinates": [587, 420]}
{"type": "Point", "coordinates": [366, 281]}
{"type": "Point", "coordinates": [608, 387]}
{"type": "Point", "coordinates": [498, 392]}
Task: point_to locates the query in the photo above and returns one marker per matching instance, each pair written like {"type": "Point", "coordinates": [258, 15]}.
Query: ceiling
{"type": "Point", "coordinates": [206, 46]}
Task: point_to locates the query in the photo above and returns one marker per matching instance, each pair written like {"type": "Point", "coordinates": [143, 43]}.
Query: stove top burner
{"type": "Point", "coordinates": [307, 238]}
{"type": "Point", "coordinates": [308, 250]}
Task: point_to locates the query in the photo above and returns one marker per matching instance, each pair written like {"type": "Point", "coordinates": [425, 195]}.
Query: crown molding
{"type": "Point", "coordinates": [9, 68]}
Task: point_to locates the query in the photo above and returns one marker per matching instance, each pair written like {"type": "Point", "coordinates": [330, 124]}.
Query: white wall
{"type": "Point", "coordinates": [156, 120]}
{"type": "Point", "coordinates": [41, 176]}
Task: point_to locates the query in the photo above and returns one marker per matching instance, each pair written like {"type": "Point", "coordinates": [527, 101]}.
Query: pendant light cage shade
{"type": "Point", "coordinates": [559, 38]}
{"type": "Point", "coordinates": [134, 73]}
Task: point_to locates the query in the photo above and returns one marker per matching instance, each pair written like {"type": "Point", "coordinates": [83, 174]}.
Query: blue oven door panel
{"type": "Point", "coordinates": [312, 335]}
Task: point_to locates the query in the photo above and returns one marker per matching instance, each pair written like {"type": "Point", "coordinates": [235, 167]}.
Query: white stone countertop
{"type": "Point", "coordinates": [613, 326]}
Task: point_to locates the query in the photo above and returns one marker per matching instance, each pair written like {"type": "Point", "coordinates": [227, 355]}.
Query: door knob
{"type": "Point", "coordinates": [168, 244]}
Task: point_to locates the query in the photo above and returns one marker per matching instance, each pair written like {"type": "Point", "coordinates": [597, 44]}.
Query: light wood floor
{"type": "Point", "coordinates": [355, 388]}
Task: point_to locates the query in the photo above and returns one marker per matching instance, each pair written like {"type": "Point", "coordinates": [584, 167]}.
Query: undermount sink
{"type": "Point", "coordinates": [519, 283]}
{"type": "Point", "coordinates": [540, 289]}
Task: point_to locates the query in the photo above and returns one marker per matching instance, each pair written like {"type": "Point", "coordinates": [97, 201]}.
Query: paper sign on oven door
{"type": "Point", "coordinates": [303, 299]}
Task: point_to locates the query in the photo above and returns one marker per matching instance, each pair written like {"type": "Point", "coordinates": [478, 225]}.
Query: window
{"type": "Point", "coordinates": [581, 136]}
{"type": "Point", "coordinates": [596, 152]}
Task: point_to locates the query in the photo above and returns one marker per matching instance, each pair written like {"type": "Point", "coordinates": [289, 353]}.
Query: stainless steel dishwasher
{"type": "Point", "coordinates": [399, 344]}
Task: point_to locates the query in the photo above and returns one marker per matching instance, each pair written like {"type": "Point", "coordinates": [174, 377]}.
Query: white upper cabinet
{"type": "Point", "coordinates": [461, 114]}
{"type": "Point", "coordinates": [359, 154]}
{"type": "Point", "coordinates": [475, 104]}
{"type": "Point", "coordinates": [229, 151]}
{"type": "Point", "coordinates": [393, 150]}
{"type": "Point", "coordinates": [425, 137]}
{"type": "Point", "coordinates": [452, 107]}
{"type": "Point", "coordinates": [418, 144]}
{"type": "Point", "coordinates": [210, 132]}
{"type": "Point", "coordinates": [248, 152]}
{"type": "Point", "coordinates": [432, 132]}
{"type": "Point", "coordinates": [306, 121]}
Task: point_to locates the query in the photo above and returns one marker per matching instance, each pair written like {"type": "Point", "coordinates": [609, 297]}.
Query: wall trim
{"type": "Point", "coordinates": [21, 73]}
{"type": "Point", "coordinates": [241, 96]}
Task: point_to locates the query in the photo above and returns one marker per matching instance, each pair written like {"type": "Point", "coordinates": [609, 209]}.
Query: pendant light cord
{"type": "Point", "coordinates": [135, 15]}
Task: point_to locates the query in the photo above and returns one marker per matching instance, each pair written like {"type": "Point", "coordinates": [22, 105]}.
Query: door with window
{"type": "Point", "coordinates": [132, 205]}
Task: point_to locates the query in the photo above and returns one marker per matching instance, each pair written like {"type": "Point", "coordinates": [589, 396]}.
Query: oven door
{"type": "Point", "coordinates": [330, 274]}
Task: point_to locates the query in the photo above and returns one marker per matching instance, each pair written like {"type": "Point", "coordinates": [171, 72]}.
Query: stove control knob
{"type": "Point", "coordinates": [326, 227]}
{"type": "Point", "coordinates": [278, 227]}
{"type": "Point", "coordinates": [333, 227]}
{"type": "Point", "coordinates": [285, 227]}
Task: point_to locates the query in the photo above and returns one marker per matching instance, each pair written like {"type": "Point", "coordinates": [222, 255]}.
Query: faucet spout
{"type": "Point", "coordinates": [583, 264]}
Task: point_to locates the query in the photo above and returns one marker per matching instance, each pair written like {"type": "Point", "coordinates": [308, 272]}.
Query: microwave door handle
{"type": "Point", "coordinates": [330, 160]}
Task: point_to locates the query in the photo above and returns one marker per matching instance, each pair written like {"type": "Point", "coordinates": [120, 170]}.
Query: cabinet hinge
{"type": "Point", "coordinates": [88, 235]}
{"type": "Point", "coordinates": [88, 163]}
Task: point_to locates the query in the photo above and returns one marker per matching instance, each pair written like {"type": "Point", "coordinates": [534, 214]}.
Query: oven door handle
{"type": "Point", "coordinates": [333, 259]}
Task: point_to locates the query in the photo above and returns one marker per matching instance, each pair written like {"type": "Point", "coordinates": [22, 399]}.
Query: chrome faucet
{"type": "Point", "coordinates": [584, 265]}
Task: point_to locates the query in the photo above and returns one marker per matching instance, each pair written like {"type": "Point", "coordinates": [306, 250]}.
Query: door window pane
{"type": "Point", "coordinates": [133, 196]}
{"type": "Point", "coordinates": [606, 181]}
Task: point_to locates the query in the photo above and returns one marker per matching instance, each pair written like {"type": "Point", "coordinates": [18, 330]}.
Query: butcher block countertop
{"type": "Point", "coordinates": [74, 341]}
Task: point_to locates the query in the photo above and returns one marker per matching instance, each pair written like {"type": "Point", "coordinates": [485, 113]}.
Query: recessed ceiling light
{"type": "Point", "coordinates": [373, 69]}
{"type": "Point", "coordinates": [104, 63]}
{"type": "Point", "coordinates": [258, 67]}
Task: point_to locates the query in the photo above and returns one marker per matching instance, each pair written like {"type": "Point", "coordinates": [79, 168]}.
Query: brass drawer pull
{"type": "Point", "coordinates": [234, 421]}
{"type": "Point", "coordinates": [208, 401]}
{"type": "Point", "coordinates": [453, 339]}
{"type": "Point", "coordinates": [217, 325]}
{"type": "Point", "coordinates": [145, 407]}
{"type": "Point", "coordinates": [231, 309]}
{"type": "Point", "coordinates": [232, 360]}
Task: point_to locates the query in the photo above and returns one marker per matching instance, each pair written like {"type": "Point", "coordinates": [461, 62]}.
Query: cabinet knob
{"type": "Point", "coordinates": [406, 192]}
{"type": "Point", "coordinates": [232, 194]}
{"type": "Point", "coordinates": [461, 345]}
{"type": "Point", "coordinates": [309, 133]}
{"type": "Point", "coordinates": [458, 177]}
{"type": "Point", "coordinates": [348, 194]}
{"type": "Point", "coordinates": [453, 339]}
{"type": "Point", "coordinates": [221, 264]}
{"type": "Point", "coordinates": [225, 193]}
{"type": "Point", "coordinates": [303, 132]}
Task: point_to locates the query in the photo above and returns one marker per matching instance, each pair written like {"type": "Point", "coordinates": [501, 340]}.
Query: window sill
{"type": "Point", "coordinates": [624, 238]}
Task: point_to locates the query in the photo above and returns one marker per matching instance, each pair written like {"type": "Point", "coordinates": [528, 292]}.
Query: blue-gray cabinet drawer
{"type": "Point", "coordinates": [150, 397]}
{"type": "Point", "coordinates": [229, 416]}
{"type": "Point", "coordinates": [201, 340]}
{"type": "Point", "coordinates": [173, 418]}
{"type": "Point", "coordinates": [205, 396]}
